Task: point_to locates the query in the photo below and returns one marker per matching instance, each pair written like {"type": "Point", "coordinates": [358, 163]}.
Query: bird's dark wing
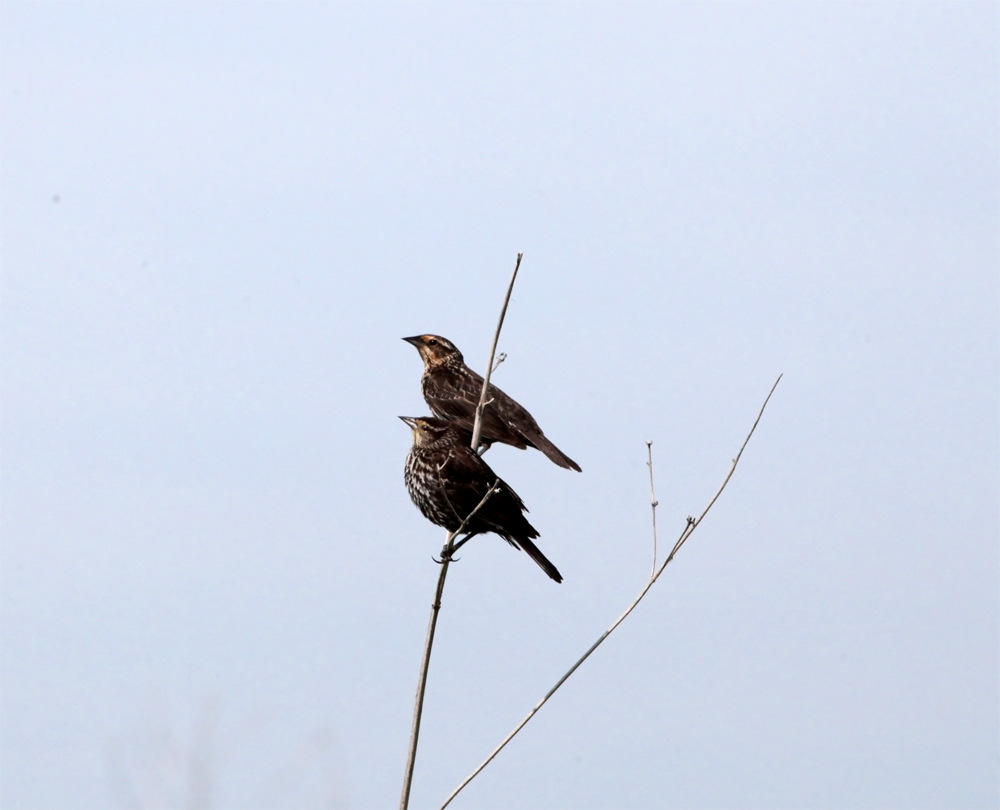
{"type": "Point", "coordinates": [448, 397]}
{"type": "Point", "coordinates": [503, 513]}
{"type": "Point", "coordinates": [469, 478]}
{"type": "Point", "coordinates": [454, 394]}
{"type": "Point", "coordinates": [465, 482]}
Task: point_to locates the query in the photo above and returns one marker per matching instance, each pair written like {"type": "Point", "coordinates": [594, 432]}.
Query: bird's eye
{"type": "Point", "coordinates": [432, 342]}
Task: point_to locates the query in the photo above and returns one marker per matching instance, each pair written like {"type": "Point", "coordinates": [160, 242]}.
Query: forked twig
{"type": "Point", "coordinates": [446, 552]}
{"type": "Point", "coordinates": [691, 525]}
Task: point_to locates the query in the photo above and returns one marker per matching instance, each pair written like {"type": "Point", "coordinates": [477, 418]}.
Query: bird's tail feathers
{"type": "Point", "coordinates": [543, 562]}
{"type": "Point", "coordinates": [553, 453]}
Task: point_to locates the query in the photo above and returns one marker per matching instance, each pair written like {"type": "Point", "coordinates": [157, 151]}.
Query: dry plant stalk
{"type": "Point", "coordinates": [692, 524]}
{"type": "Point", "coordinates": [477, 427]}
{"type": "Point", "coordinates": [446, 553]}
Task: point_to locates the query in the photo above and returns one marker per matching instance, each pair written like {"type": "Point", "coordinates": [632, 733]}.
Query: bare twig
{"type": "Point", "coordinates": [689, 528]}
{"type": "Point", "coordinates": [652, 500]}
{"type": "Point", "coordinates": [418, 708]}
{"type": "Point", "coordinates": [477, 428]}
{"type": "Point", "coordinates": [446, 552]}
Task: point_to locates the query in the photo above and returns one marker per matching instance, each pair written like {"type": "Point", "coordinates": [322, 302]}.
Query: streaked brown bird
{"type": "Point", "coordinates": [452, 391]}
{"type": "Point", "coordinates": [447, 479]}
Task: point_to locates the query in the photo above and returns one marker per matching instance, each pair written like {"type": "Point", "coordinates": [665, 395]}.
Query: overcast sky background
{"type": "Point", "coordinates": [218, 220]}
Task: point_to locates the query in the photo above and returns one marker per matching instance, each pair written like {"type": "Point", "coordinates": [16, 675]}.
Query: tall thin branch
{"type": "Point", "coordinates": [477, 428]}
{"type": "Point", "coordinates": [418, 708]}
{"type": "Point", "coordinates": [446, 554]}
{"type": "Point", "coordinates": [653, 503]}
{"type": "Point", "coordinates": [689, 528]}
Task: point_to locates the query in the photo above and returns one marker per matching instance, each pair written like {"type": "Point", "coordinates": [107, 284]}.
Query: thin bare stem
{"type": "Point", "coordinates": [652, 500]}
{"type": "Point", "coordinates": [691, 525]}
{"type": "Point", "coordinates": [446, 552]}
{"type": "Point", "coordinates": [477, 428]}
{"type": "Point", "coordinates": [418, 706]}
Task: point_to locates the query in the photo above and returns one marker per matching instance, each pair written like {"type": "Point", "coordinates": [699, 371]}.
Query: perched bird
{"type": "Point", "coordinates": [452, 391]}
{"type": "Point", "coordinates": [447, 479]}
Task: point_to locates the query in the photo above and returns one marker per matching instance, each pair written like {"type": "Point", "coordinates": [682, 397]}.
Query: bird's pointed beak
{"type": "Point", "coordinates": [415, 340]}
{"type": "Point", "coordinates": [410, 421]}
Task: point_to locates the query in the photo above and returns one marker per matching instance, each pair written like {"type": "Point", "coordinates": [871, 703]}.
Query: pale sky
{"type": "Point", "coordinates": [218, 220]}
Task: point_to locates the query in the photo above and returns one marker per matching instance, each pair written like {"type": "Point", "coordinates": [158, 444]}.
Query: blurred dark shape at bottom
{"type": "Point", "coordinates": [223, 760]}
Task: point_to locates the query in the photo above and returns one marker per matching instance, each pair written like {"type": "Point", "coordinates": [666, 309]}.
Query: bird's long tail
{"type": "Point", "coordinates": [543, 562]}
{"type": "Point", "coordinates": [553, 453]}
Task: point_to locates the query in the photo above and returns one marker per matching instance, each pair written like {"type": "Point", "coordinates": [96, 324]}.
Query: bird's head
{"type": "Point", "coordinates": [427, 430]}
{"type": "Point", "coordinates": [436, 350]}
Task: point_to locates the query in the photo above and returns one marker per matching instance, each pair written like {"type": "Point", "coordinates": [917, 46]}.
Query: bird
{"type": "Point", "coordinates": [447, 479]}
{"type": "Point", "coordinates": [452, 390]}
